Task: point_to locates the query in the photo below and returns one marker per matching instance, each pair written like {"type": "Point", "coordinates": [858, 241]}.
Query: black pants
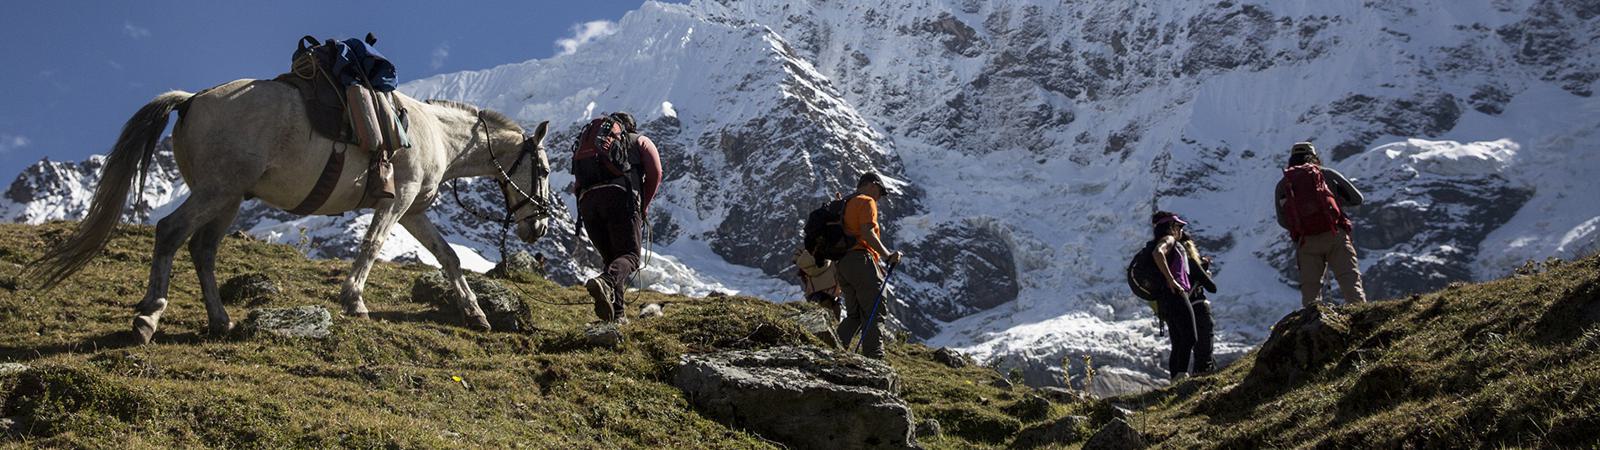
{"type": "Point", "coordinates": [1191, 330]}
{"type": "Point", "coordinates": [611, 218]}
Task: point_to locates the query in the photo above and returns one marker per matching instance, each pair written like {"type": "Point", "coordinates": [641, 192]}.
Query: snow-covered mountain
{"type": "Point", "coordinates": [1033, 139]}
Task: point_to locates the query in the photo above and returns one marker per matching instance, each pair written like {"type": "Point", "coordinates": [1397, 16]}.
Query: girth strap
{"type": "Point", "coordinates": [325, 185]}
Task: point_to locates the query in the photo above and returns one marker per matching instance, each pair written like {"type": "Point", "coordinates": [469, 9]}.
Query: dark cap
{"type": "Point", "coordinates": [626, 119]}
{"type": "Point", "coordinates": [1302, 148]}
{"type": "Point", "coordinates": [873, 177]}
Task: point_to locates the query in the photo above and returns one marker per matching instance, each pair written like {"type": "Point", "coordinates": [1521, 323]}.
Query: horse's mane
{"type": "Point", "coordinates": [494, 118]}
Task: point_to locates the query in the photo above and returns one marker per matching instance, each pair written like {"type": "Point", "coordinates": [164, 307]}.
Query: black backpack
{"type": "Point", "coordinates": [824, 232]}
{"type": "Point", "coordinates": [604, 153]}
{"type": "Point", "coordinates": [1144, 278]}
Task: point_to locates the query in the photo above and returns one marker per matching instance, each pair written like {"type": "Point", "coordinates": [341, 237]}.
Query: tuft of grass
{"type": "Point", "coordinates": [412, 377]}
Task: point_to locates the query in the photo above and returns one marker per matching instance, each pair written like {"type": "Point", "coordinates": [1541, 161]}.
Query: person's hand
{"type": "Point", "coordinates": [893, 259]}
{"type": "Point", "coordinates": [1173, 285]}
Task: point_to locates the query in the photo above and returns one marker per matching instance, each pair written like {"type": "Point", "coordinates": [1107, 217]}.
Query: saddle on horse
{"type": "Point", "coordinates": [347, 89]}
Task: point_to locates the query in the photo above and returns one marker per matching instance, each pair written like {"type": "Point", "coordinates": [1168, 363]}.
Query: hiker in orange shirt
{"type": "Point", "coordinates": [859, 274]}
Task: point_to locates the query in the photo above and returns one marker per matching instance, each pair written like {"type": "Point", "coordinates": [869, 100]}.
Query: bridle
{"type": "Point", "coordinates": [543, 206]}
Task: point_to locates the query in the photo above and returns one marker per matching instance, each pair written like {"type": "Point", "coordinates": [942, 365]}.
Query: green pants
{"type": "Point", "coordinates": [861, 282]}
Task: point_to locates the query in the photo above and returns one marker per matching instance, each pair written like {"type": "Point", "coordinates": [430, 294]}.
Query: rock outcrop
{"type": "Point", "coordinates": [804, 397]}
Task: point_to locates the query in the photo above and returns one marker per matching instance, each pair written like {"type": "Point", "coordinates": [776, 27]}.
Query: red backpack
{"type": "Point", "coordinates": [603, 154]}
{"type": "Point", "coordinates": [1309, 204]}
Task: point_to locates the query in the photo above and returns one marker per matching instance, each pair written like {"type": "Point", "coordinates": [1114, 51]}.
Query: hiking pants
{"type": "Point", "coordinates": [1332, 249]}
{"type": "Point", "coordinates": [1190, 328]}
{"type": "Point", "coordinates": [861, 282]}
{"type": "Point", "coordinates": [611, 218]}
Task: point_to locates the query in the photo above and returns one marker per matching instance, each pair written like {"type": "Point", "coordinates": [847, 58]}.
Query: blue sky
{"type": "Point", "coordinates": [76, 70]}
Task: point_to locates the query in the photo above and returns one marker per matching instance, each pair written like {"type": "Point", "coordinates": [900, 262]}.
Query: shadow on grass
{"type": "Point", "coordinates": [106, 341]}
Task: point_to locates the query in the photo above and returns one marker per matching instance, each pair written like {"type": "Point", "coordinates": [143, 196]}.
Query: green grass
{"type": "Point", "coordinates": [1507, 363]}
{"type": "Point", "coordinates": [390, 382]}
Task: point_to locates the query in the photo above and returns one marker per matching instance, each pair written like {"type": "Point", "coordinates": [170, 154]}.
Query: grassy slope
{"type": "Point", "coordinates": [388, 382]}
{"type": "Point", "coordinates": [1508, 363]}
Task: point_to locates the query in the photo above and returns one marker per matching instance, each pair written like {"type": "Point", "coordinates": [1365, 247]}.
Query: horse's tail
{"type": "Point", "coordinates": [131, 156]}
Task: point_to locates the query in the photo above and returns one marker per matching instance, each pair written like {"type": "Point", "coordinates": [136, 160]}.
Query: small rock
{"type": "Point", "coordinates": [1062, 395]}
{"type": "Point", "coordinates": [298, 322]}
{"type": "Point", "coordinates": [928, 428]}
{"type": "Point", "coordinates": [1120, 412]}
{"type": "Point", "coordinates": [603, 335]}
{"type": "Point", "coordinates": [650, 310]}
{"type": "Point", "coordinates": [1002, 383]}
{"type": "Point", "coordinates": [506, 312]}
{"type": "Point", "coordinates": [1029, 408]}
{"type": "Point", "coordinates": [251, 289]}
{"type": "Point", "coordinates": [11, 368]}
{"type": "Point", "coordinates": [819, 324]}
{"type": "Point", "coordinates": [950, 358]}
{"type": "Point", "coordinates": [1065, 430]}
{"type": "Point", "coordinates": [242, 235]}
{"type": "Point", "coordinates": [1117, 435]}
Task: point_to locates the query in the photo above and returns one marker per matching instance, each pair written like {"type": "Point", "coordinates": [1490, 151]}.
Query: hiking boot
{"type": "Point", "coordinates": [600, 290]}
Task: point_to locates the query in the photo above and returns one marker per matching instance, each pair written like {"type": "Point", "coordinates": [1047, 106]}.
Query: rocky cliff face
{"type": "Point", "coordinates": [1033, 139]}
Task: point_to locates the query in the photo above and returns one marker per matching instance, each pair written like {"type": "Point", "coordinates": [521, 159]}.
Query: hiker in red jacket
{"type": "Point", "coordinates": [616, 172]}
{"type": "Point", "coordinates": [1310, 202]}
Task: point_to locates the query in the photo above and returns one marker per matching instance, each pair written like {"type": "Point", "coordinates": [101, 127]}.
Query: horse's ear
{"type": "Point", "coordinates": [538, 132]}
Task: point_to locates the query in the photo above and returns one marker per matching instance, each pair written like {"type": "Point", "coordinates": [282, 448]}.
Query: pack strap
{"type": "Point", "coordinates": [325, 185]}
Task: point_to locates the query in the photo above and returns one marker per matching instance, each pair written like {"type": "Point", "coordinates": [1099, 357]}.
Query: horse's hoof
{"type": "Point", "coordinates": [358, 314]}
{"type": "Point", "coordinates": [221, 330]}
{"type": "Point", "coordinates": [144, 328]}
{"type": "Point", "coordinates": [478, 323]}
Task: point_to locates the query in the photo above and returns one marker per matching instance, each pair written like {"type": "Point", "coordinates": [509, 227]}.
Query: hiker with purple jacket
{"type": "Point", "coordinates": [1182, 303]}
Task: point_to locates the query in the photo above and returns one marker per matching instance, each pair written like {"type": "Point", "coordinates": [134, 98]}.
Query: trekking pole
{"type": "Point", "coordinates": [875, 303]}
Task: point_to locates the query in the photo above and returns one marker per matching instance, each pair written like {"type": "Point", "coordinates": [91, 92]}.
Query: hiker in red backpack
{"type": "Point", "coordinates": [616, 172]}
{"type": "Point", "coordinates": [1310, 201]}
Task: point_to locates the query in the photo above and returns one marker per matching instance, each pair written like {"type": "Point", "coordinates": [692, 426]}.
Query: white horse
{"type": "Point", "coordinates": [251, 138]}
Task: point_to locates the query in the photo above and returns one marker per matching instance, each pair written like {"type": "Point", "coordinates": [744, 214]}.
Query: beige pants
{"type": "Point", "coordinates": [1318, 253]}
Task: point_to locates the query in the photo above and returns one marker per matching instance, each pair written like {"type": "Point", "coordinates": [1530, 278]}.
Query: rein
{"type": "Point", "coordinates": [542, 206]}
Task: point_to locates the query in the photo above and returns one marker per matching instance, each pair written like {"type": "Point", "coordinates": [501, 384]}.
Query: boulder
{"type": "Point", "coordinates": [804, 397]}
{"type": "Point", "coordinates": [517, 266]}
{"type": "Point", "coordinates": [819, 324]}
{"type": "Point", "coordinates": [251, 289]}
{"type": "Point", "coordinates": [506, 311]}
{"type": "Point", "coordinates": [1063, 431]}
{"type": "Point", "coordinates": [1301, 344]}
{"type": "Point", "coordinates": [12, 368]}
{"type": "Point", "coordinates": [298, 322]}
{"type": "Point", "coordinates": [950, 358]}
{"type": "Point", "coordinates": [1117, 435]}
{"type": "Point", "coordinates": [603, 335]}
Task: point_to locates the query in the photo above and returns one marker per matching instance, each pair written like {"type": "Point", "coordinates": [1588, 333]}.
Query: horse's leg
{"type": "Point", "coordinates": [424, 230]}
{"type": "Point", "coordinates": [203, 250]}
{"type": "Point", "coordinates": [171, 232]}
{"type": "Point", "coordinates": [384, 216]}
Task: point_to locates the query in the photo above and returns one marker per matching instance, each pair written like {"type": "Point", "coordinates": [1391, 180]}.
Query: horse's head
{"type": "Point", "coordinates": [528, 196]}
